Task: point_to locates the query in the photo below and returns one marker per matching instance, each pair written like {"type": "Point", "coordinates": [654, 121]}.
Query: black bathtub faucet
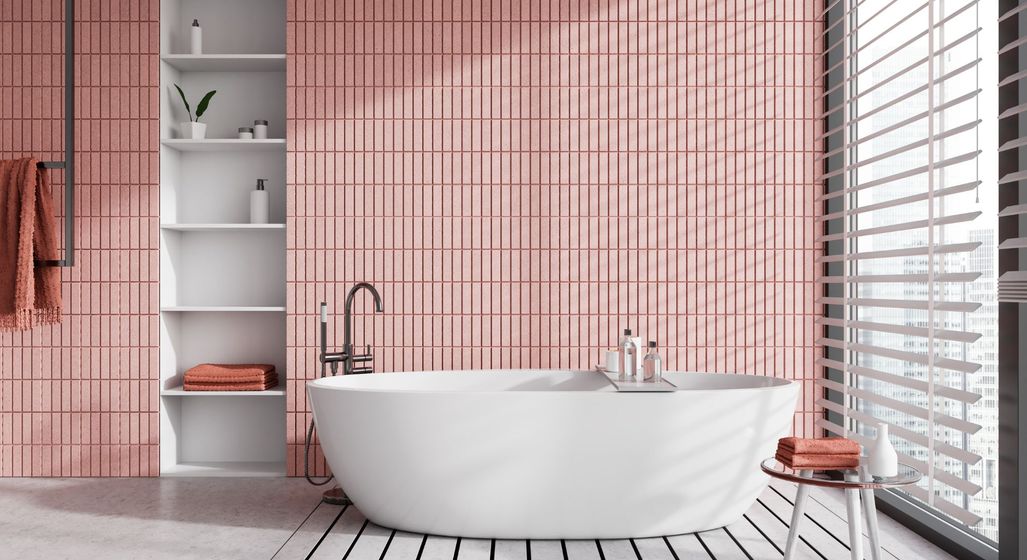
{"type": "Point", "coordinates": [347, 357]}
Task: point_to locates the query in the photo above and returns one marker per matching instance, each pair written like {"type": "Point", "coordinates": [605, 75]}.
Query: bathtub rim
{"type": "Point", "coordinates": [339, 382]}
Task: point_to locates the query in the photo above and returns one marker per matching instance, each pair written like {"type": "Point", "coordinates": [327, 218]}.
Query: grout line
{"type": "Point", "coordinates": [745, 552]}
{"type": "Point", "coordinates": [706, 548]}
{"type": "Point", "coordinates": [294, 531]}
{"type": "Point", "coordinates": [387, 543]}
{"type": "Point", "coordinates": [673, 552]}
{"type": "Point", "coordinates": [355, 539]}
{"type": "Point", "coordinates": [328, 530]}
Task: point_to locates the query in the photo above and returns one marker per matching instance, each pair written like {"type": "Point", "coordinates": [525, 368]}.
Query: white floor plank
{"type": "Point", "coordinates": [687, 546]}
{"type": "Point", "coordinates": [307, 535]}
{"type": "Point", "coordinates": [371, 543]}
{"type": "Point", "coordinates": [815, 510]}
{"type": "Point", "coordinates": [546, 550]}
{"type": "Point", "coordinates": [475, 549]}
{"type": "Point", "coordinates": [341, 536]}
{"type": "Point", "coordinates": [755, 544]}
{"type": "Point", "coordinates": [511, 550]}
{"type": "Point", "coordinates": [581, 550]}
{"type": "Point", "coordinates": [438, 548]}
{"type": "Point", "coordinates": [823, 541]}
{"type": "Point", "coordinates": [896, 539]}
{"type": "Point", "coordinates": [653, 549]}
{"type": "Point", "coordinates": [721, 545]}
{"type": "Point", "coordinates": [777, 531]}
{"type": "Point", "coordinates": [404, 546]}
{"type": "Point", "coordinates": [618, 550]}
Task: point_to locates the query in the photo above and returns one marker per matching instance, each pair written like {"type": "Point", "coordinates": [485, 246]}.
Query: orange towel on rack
{"type": "Point", "coordinates": [817, 462]}
{"type": "Point", "coordinates": [30, 295]}
{"type": "Point", "coordinates": [818, 446]}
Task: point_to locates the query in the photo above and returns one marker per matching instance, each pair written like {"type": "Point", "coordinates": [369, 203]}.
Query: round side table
{"type": "Point", "coordinates": [856, 483]}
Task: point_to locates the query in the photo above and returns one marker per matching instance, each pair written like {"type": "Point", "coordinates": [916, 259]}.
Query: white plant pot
{"type": "Point", "coordinates": [193, 130]}
{"type": "Point", "coordinates": [882, 460]}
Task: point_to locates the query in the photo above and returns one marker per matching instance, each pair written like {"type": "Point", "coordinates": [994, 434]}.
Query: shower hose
{"type": "Point", "coordinates": [306, 450]}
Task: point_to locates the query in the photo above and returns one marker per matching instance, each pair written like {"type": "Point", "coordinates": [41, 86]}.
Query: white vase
{"type": "Point", "coordinates": [882, 459]}
{"type": "Point", "coordinates": [193, 130]}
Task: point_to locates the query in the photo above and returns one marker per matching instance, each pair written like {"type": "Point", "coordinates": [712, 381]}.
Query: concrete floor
{"type": "Point", "coordinates": [144, 518]}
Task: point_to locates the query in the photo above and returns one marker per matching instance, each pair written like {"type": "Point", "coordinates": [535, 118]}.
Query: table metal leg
{"type": "Point", "coordinates": [797, 513]}
{"type": "Point", "coordinates": [855, 529]}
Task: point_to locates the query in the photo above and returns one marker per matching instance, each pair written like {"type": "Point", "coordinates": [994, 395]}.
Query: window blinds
{"type": "Point", "coordinates": [901, 171]}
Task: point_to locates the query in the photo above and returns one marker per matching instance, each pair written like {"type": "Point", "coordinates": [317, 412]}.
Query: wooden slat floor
{"type": "Point", "coordinates": [344, 533]}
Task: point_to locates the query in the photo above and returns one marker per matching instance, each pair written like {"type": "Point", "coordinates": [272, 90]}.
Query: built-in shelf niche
{"type": "Point", "coordinates": [229, 26]}
{"type": "Point", "coordinates": [222, 289]}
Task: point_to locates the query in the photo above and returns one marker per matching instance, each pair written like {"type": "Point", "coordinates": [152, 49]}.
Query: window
{"type": "Point", "coordinates": [910, 168]}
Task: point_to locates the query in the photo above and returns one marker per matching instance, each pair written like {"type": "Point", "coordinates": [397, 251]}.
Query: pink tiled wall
{"type": "Point", "coordinates": [79, 399]}
{"type": "Point", "coordinates": [523, 179]}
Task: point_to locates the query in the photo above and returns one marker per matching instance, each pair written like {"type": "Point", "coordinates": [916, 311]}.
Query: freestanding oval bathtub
{"type": "Point", "coordinates": [535, 454]}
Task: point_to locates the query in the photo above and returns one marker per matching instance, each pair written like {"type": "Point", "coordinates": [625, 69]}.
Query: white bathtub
{"type": "Point", "coordinates": [549, 454]}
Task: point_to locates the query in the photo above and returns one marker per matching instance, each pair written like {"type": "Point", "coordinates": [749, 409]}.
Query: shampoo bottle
{"type": "Point", "coordinates": [196, 38]}
{"type": "Point", "coordinates": [628, 366]}
{"type": "Point", "coordinates": [259, 204]}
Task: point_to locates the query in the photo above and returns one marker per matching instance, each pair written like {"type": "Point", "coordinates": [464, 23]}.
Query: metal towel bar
{"type": "Point", "coordinates": [69, 141]}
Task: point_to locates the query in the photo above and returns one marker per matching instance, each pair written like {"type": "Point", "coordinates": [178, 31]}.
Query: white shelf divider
{"type": "Point", "coordinates": [223, 309]}
{"type": "Point", "coordinates": [244, 469]}
{"type": "Point", "coordinates": [225, 145]}
{"type": "Point", "coordinates": [179, 391]}
{"type": "Point", "coordinates": [226, 62]}
{"type": "Point", "coordinates": [223, 227]}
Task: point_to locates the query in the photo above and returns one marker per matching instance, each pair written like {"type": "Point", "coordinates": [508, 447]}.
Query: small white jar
{"type": "Point", "coordinates": [260, 129]}
{"type": "Point", "coordinates": [245, 133]}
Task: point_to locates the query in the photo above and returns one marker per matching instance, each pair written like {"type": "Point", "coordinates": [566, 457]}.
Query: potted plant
{"type": "Point", "coordinates": [194, 129]}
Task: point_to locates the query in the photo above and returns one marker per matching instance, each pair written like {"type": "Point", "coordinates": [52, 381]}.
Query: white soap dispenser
{"type": "Point", "coordinates": [259, 204]}
{"type": "Point", "coordinates": [196, 38]}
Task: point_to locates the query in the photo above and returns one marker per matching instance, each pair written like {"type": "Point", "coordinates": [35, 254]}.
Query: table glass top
{"type": "Point", "coordinates": [842, 478]}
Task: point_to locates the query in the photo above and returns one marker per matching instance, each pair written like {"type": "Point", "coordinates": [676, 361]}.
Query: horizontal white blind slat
{"type": "Point", "coordinates": [952, 393]}
{"type": "Point", "coordinates": [964, 426]}
{"type": "Point", "coordinates": [944, 334]}
{"type": "Point", "coordinates": [962, 366]}
{"type": "Point", "coordinates": [904, 226]}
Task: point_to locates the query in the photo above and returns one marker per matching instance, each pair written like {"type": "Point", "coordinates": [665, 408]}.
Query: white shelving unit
{"type": "Point", "coordinates": [222, 283]}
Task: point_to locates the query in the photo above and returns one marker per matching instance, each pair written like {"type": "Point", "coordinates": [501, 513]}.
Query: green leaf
{"type": "Point", "coordinates": [186, 103]}
{"type": "Point", "coordinates": [202, 107]}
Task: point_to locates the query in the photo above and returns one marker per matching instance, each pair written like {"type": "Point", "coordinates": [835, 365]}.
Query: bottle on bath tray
{"type": "Point", "coordinates": [652, 365]}
{"type": "Point", "coordinates": [627, 369]}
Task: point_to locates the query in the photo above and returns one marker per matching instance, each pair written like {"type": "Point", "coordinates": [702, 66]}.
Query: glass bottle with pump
{"type": "Point", "coordinates": [629, 351]}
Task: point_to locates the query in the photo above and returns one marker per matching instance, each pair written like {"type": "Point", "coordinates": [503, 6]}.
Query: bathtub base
{"type": "Point", "coordinates": [550, 455]}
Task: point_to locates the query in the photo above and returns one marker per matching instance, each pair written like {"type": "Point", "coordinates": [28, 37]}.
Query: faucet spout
{"type": "Point", "coordinates": [347, 341]}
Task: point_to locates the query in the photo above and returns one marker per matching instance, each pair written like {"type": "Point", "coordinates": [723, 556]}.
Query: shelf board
{"type": "Point", "coordinates": [226, 62]}
{"type": "Point", "coordinates": [225, 145]}
{"type": "Point", "coordinates": [223, 227]}
{"type": "Point", "coordinates": [226, 469]}
{"type": "Point", "coordinates": [222, 309]}
{"type": "Point", "coordinates": [178, 391]}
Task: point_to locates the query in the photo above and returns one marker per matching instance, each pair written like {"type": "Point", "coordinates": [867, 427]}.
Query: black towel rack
{"type": "Point", "coordinates": [69, 141]}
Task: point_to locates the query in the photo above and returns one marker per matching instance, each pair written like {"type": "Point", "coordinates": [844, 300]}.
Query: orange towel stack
{"type": "Point", "coordinates": [230, 377]}
{"type": "Point", "coordinates": [818, 454]}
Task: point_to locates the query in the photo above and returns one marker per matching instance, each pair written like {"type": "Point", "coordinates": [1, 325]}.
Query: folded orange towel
{"type": "Point", "coordinates": [818, 462]}
{"type": "Point", "coordinates": [229, 371]}
{"type": "Point", "coordinates": [230, 386]}
{"type": "Point", "coordinates": [30, 295]}
{"type": "Point", "coordinates": [224, 379]}
{"type": "Point", "coordinates": [819, 446]}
